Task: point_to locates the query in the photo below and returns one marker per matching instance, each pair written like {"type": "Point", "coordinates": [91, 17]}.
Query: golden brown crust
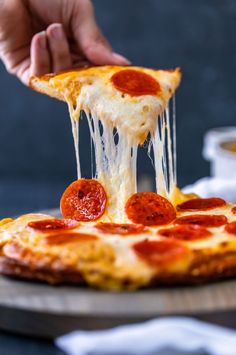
{"type": "Point", "coordinates": [42, 83]}
{"type": "Point", "coordinates": [27, 263]}
{"type": "Point", "coordinates": [13, 268]}
{"type": "Point", "coordinates": [39, 84]}
{"type": "Point", "coordinates": [95, 263]}
{"type": "Point", "coordinates": [100, 264]}
{"type": "Point", "coordinates": [213, 267]}
{"type": "Point", "coordinates": [204, 268]}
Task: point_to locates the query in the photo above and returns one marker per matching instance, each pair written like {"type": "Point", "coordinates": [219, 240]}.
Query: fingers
{"type": "Point", "coordinates": [50, 51]}
{"type": "Point", "coordinates": [59, 47]}
{"type": "Point", "coordinates": [99, 52]}
{"type": "Point", "coordinates": [90, 39]}
{"type": "Point", "coordinates": [40, 57]}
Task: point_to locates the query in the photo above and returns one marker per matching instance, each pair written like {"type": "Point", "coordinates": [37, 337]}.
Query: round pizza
{"type": "Point", "coordinates": [160, 243]}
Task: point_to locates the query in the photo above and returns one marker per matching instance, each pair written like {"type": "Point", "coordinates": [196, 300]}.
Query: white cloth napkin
{"type": "Point", "coordinates": [214, 187]}
{"type": "Point", "coordinates": [180, 333]}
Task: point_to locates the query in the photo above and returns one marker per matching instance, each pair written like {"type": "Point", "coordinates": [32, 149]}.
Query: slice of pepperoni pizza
{"type": "Point", "coordinates": [129, 99]}
{"type": "Point", "coordinates": [123, 106]}
{"type": "Point", "coordinates": [160, 244]}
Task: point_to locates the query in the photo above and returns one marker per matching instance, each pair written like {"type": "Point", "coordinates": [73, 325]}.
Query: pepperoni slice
{"type": "Point", "coordinates": [185, 232]}
{"type": "Point", "coordinates": [234, 210]}
{"type": "Point", "coordinates": [135, 83]}
{"type": "Point", "coordinates": [54, 224]}
{"type": "Point", "coordinates": [231, 228]}
{"type": "Point", "coordinates": [122, 229]}
{"type": "Point", "coordinates": [159, 252]}
{"type": "Point", "coordinates": [149, 209]}
{"type": "Point", "coordinates": [203, 220]}
{"type": "Point", "coordinates": [201, 204]}
{"type": "Point", "coordinates": [84, 200]}
{"type": "Point", "coordinates": [65, 238]}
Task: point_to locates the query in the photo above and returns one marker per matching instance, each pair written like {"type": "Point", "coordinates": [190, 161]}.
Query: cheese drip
{"type": "Point", "coordinates": [163, 147]}
{"type": "Point", "coordinates": [74, 118]}
{"type": "Point", "coordinates": [116, 159]}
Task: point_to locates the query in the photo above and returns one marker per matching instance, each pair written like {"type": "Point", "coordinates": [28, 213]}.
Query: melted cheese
{"type": "Point", "coordinates": [75, 134]}
{"type": "Point", "coordinates": [91, 90]}
{"type": "Point", "coordinates": [118, 124]}
{"type": "Point", "coordinates": [164, 152]}
{"type": "Point", "coordinates": [116, 161]}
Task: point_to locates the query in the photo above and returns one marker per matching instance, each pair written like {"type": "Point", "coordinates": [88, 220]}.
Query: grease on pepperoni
{"type": "Point", "coordinates": [135, 83]}
{"type": "Point", "coordinates": [121, 229]}
{"type": "Point", "coordinates": [231, 228]}
{"type": "Point", "coordinates": [84, 200]}
{"type": "Point", "coordinates": [201, 204]}
{"type": "Point", "coordinates": [234, 210]}
{"type": "Point", "coordinates": [185, 232]}
{"type": "Point", "coordinates": [158, 253]}
{"type": "Point", "coordinates": [149, 209]}
{"type": "Point", "coordinates": [65, 238]}
{"type": "Point", "coordinates": [203, 220]}
{"type": "Point", "coordinates": [53, 224]}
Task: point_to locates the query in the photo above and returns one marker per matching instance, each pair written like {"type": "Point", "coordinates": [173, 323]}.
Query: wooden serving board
{"type": "Point", "coordinates": [38, 309]}
{"type": "Point", "coordinates": [48, 311]}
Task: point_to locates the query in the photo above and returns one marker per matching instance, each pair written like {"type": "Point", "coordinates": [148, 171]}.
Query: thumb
{"type": "Point", "coordinates": [90, 39]}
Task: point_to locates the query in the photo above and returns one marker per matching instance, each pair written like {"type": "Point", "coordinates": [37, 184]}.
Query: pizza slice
{"type": "Point", "coordinates": [128, 99]}
{"type": "Point", "coordinates": [123, 107]}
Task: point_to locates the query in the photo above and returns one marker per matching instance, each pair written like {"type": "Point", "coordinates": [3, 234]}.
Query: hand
{"type": "Point", "coordinates": [42, 36]}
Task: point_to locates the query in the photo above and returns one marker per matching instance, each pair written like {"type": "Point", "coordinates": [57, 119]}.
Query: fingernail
{"type": "Point", "coordinates": [121, 59]}
{"type": "Point", "coordinates": [42, 40]}
{"type": "Point", "coordinates": [57, 32]}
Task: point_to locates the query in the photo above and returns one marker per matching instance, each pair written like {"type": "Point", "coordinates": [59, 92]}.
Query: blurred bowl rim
{"type": "Point", "coordinates": [214, 137]}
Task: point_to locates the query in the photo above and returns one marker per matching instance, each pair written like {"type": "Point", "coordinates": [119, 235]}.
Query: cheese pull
{"type": "Point", "coordinates": [123, 107]}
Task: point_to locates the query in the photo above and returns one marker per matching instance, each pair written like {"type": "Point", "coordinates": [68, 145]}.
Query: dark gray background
{"type": "Point", "coordinates": [36, 149]}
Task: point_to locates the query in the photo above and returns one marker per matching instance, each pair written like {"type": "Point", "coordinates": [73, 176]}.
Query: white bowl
{"type": "Point", "coordinates": [216, 149]}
